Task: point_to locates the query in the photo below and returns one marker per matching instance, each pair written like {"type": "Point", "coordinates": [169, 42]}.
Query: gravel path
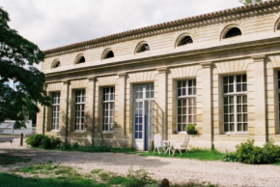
{"type": "Point", "coordinates": [175, 170]}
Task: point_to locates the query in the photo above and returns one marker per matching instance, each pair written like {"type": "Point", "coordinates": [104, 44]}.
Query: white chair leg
{"type": "Point", "coordinates": [158, 150]}
{"type": "Point", "coordinates": [173, 152]}
{"type": "Point", "coordinates": [154, 149]}
{"type": "Point", "coordinates": [180, 151]}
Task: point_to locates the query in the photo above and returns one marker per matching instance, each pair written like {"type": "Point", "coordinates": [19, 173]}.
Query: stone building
{"type": "Point", "coordinates": [220, 71]}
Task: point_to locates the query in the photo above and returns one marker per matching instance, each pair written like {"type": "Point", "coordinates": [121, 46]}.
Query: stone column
{"type": "Point", "coordinates": [162, 100]}
{"type": "Point", "coordinates": [260, 99]}
{"type": "Point", "coordinates": [64, 95]}
{"type": "Point", "coordinates": [120, 131]}
{"type": "Point", "coordinates": [207, 129]}
{"type": "Point", "coordinates": [90, 112]}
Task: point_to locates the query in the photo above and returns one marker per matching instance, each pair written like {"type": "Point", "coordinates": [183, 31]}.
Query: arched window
{"type": "Point", "coordinates": [110, 54]}
{"type": "Point", "coordinates": [57, 64]}
{"type": "Point", "coordinates": [186, 40]}
{"type": "Point", "coordinates": [82, 60]}
{"type": "Point", "coordinates": [144, 47]}
{"type": "Point", "coordinates": [233, 32]}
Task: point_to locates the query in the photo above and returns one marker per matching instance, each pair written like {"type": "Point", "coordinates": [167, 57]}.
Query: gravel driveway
{"type": "Point", "coordinates": [175, 170]}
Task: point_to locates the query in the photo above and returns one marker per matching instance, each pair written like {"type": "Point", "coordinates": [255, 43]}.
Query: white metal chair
{"type": "Point", "coordinates": [181, 146]}
{"type": "Point", "coordinates": [158, 143]}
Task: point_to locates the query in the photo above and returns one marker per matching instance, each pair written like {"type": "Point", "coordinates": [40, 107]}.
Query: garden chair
{"type": "Point", "coordinates": [181, 146]}
{"type": "Point", "coordinates": [158, 143]}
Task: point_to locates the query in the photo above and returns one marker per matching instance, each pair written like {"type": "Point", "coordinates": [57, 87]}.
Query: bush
{"type": "Point", "coordinates": [35, 140]}
{"type": "Point", "coordinates": [229, 157]}
{"type": "Point", "coordinates": [75, 145]}
{"type": "Point", "coordinates": [40, 140]}
{"type": "Point", "coordinates": [250, 154]}
{"type": "Point", "coordinates": [51, 143]}
{"type": "Point", "coordinates": [65, 146]}
{"type": "Point", "coordinates": [190, 128]}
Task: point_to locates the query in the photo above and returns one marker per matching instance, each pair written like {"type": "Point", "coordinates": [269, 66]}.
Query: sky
{"type": "Point", "coordinates": [55, 23]}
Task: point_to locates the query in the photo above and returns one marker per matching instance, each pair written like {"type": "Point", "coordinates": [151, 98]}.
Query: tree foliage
{"type": "Point", "coordinates": [17, 56]}
{"type": "Point", "coordinates": [246, 2]}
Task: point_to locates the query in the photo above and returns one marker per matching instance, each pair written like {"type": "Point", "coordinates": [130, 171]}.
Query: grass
{"type": "Point", "coordinates": [194, 153]}
{"type": "Point", "coordinates": [6, 159]}
{"type": "Point", "coordinates": [96, 171]}
{"type": "Point", "coordinates": [11, 180]}
{"type": "Point", "coordinates": [97, 149]}
{"type": "Point", "coordinates": [277, 164]}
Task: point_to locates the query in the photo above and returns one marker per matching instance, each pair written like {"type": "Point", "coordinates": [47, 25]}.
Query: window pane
{"type": "Point", "coordinates": [225, 80]}
{"type": "Point", "coordinates": [230, 79]}
{"type": "Point", "coordinates": [225, 89]}
{"type": "Point", "coordinates": [230, 88]}
{"type": "Point", "coordinates": [238, 78]}
{"type": "Point", "coordinates": [238, 87]}
{"type": "Point", "coordinates": [244, 78]}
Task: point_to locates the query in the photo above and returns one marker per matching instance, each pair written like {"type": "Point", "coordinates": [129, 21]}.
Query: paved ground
{"type": "Point", "coordinates": [176, 170]}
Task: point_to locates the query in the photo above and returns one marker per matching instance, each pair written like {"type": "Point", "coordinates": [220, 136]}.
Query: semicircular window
{"type": "Point", "coordinates": [186, 40]}
{"type": "Point", "coordinates": [233, 32]}
{"type": "Point", "coordinates": [143, 48]}
{"type": "Point", "coordinates": [57, 64]}
{"type": "Point", "coordinates": [82, 60]}
{"type": "Point", "coordinates": [110, 54]}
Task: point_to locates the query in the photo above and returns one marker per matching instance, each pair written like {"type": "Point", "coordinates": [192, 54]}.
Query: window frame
{"type": "Point", "coordinates": [187, 97]}
{"type": "Point", "coordinates": [109, 102]}
{"type": "Point", "coordinates": [278, 100]}
{"type": "Point", "coordinates": [234, 94]}
{"type": "Point", "coordinates": [80, 104]}
{"type": "Point", "coordinates": [57, 105]}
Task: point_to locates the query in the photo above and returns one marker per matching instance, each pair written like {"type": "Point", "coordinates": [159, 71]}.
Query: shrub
{"type": "Point", "coordinates": [51, 143]}
{"type": "Point", "coordinates": [190, 128]}
{"type": "Point", "coordinates": [65, 146]}
{"type": "Point", "coordinates": [35, 140]}
{"type": "Point", "coordinates": [229, 157]}
{"type": "Point", "coordinates": [250, 154]}
{"type": "Point", "coordinates": [75, 145]}
{"type": "Point", "coordinates": [40, 140]}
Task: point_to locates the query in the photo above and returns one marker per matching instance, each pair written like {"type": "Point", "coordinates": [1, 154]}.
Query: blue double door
{"type": "Point", "coordinates": [143, 116]}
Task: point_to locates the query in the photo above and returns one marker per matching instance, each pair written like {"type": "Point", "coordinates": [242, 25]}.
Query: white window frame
{"type": "Point", "coordinates": [56, 105]}
{"type": "Point", "coordinates": [81, 104]}
{"type": "Point", "coordinates": [187, 97]}
{"type": "Point", "coordinates": [110, 102]}
{"type": "Point", "coordinates": [234, 94]}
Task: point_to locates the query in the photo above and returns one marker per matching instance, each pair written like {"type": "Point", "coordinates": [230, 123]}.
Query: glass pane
{"type": "Point", "coordinates": [179, 84]}
{"type": "Point", "coordinates": [231, 109]}
{"type": "Point", "coordinates": [140, 135]}
{"type": "Point", "coordinates": [230, 79]}
{"type": "Point", "coordinates": [244, 87]}
{"type": "Point", "coordinates": [225, 80]}
{"type": "Point", "coordinates": [230, 88]}
{"type": "Point", "coordinates": [238, 87]}
{"type": "Point", "coordinates": [232, 127]}
{"type": "Point", "coordinates": [225, 100]}
{"type": "Point", "coordinates": [244, 108]}
{"type": "Point", "coordinates": [239, 118]}
{"type": "Point", "coordinates": [184, 91]}
{"type": "Point", "coordinates": [238, 99]}
{"type": "Point", "coordinates": [225, 89]}
{"type": "Point", "coordinates": [179, 92]}
{"type": "Point", "coordinates": [238, 78]}
{"type": "Point", "coordinates": [226, 118]}
{"type": "Point", "coordinates": [239, 127]}
{"type": "Point", "coordinates": [244, 78]}
{"type": "Point", "coordinates": [245, 127]}
{"type": "Point", "coordinates": [225, 109]}
{"type": "Point", "coordinates": [231, 118]}
{"type": "Point", "coordinates": [244, 99]}
{"type": "Point", "coordinates": [136, 135]}
{"type": "Point", "coordinates": [245, 117]}
{"type": "Point", "coordinates": [231, 100]}
{"type": "Point", "coordinates": [225, 127]}
{"type": "Point", "coordinates": [239, 109]}
{"type": "Point", "coordinates": [190, 91]}
{"type": "Point", "coordinates": [190, 83]}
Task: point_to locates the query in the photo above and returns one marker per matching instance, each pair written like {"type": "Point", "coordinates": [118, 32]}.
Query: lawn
{"type": "Point", "coordinates": [9, 159]}
{"type": "Point", "coordinates": [195, 153]}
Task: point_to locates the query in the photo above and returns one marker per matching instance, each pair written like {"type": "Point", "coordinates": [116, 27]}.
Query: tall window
{"type": "Point", "coordinates": [55, 111]}
{"type": "Point", "coordinates": [186, 103]}
{"type": "Point", "coordinates": [235, 103]}
{"type": "Point", "coordinates": [108, 110]}
{"type": "Point", "coordinates": [80, 110]}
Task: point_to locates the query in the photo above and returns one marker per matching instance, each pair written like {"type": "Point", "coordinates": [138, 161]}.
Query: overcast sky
{"type": "Point", "coordinates": [54, 23]}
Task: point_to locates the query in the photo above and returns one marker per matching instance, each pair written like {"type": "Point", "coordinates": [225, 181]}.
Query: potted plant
{"type": "Point", "coordinates": [190, 129]}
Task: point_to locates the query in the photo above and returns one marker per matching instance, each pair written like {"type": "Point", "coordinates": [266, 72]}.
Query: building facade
{"type": "Point", "coordinates": [219, 71]}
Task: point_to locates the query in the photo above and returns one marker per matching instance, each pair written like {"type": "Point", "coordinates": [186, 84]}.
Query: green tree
{"type": "Point", "coordinates": [17, 56]}
{"type": "Point", "coordinates": [246, 2]}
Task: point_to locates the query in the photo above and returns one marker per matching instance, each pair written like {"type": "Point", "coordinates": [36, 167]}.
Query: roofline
{"type": "Point", "coordinates": [164, 25]}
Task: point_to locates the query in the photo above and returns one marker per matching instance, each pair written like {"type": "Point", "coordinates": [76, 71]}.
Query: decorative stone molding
{"type": "Point", "coordinates": [144, 76]}
{"type": "Point", "coordinates": [108, 80]}
{"type": "Point", "coordinates": [232, 66]}
{"type": "Point", "coordinates": [91, 78]}
{"type": "Point", "coordinates": [186, 71]}
{"type": "Point", "coordinates": [205, 65]}
{"type": "Point", "coordinates": [258, 58]}
{"type": "Point", "coordinates": [79, 83]}
{"type": "Point", "coordinates": [180, 24]}
{"type": "Point", "coordinates": [122, 74]}
{"type": "Point", "coordinates": [162, 70]}
{"type": "Point", "coordinates": [54, 86]}
{"type": "Point", "coordinates": [275, 60]}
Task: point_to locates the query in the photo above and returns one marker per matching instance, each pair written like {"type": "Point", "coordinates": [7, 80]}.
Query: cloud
{"type": "Point", "coordinates": [54, 23]}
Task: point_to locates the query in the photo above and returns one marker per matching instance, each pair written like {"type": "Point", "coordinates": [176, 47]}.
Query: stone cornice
{"type": "Point", "coordinates": [162, 70]}
{"type": "Point", "coordinates": [169, 56]}
{"type": "Point", "coordinates": [163, 27]}
{"type": "Point", "coordinates": [259, 57]}
{"type": "Point", "coordinates": [122, 74]}
{"type": "Point", "coordinates": [206, 64]}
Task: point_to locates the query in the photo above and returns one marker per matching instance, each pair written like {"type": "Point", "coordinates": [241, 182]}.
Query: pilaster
{"type": "Point", "coordinates": [64, 108]}
{"type": "Point", "coordinates": [260, 103]}
{"type": "Point", "coordinates": [207, 129]}
{"type": "Point", "coordinates": [161, 100]}
{"type": "Point", "coordinates": [90, 112]}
